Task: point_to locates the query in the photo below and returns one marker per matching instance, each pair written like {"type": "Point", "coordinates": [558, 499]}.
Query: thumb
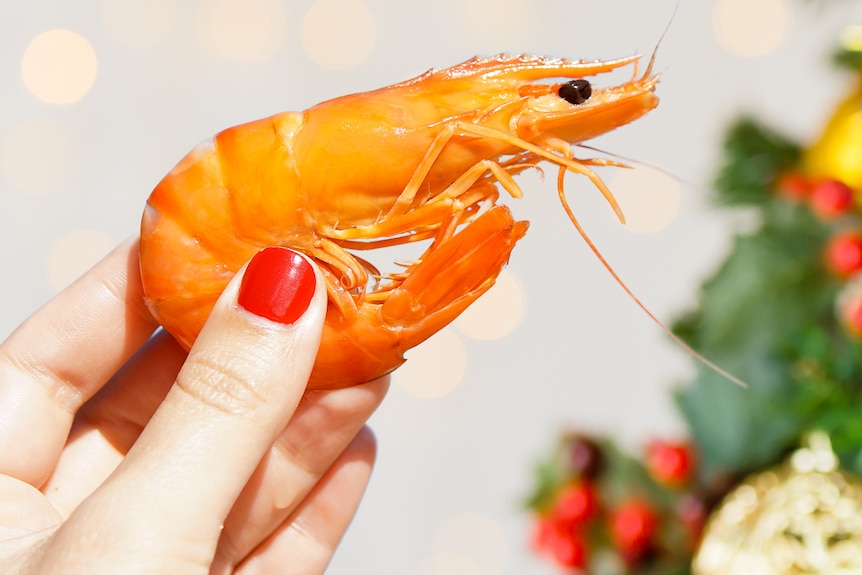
{"type": "Point", "coordinates": [239, 387]}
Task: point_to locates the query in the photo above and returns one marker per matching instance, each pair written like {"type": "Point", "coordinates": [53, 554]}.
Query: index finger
{"type": "Point", "coordinates": [62, 355]}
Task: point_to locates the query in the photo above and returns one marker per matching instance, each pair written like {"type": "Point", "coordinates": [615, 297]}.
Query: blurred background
{"type": "Point", "coordinates": [100, 99]}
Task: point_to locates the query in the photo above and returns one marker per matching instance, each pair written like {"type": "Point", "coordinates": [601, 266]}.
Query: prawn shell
{"type": "Point", "coordinates": [422, 160]}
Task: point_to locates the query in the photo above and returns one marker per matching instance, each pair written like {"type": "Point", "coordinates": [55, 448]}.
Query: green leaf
{"type": "Point", "coordinates": [753, 156]}
{"type": "Point", "coordinates": [770, 287]}
{"type": "Point", "coordinates": [848, 59]}
{"type": "Point", "coordinates": [828, 372]}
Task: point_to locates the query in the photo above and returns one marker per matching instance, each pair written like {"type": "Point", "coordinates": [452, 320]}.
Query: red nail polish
{"type": "Point", "coordinates": [278, 285]}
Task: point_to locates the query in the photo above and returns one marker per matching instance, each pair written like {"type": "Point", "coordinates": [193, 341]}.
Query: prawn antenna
{"type": "Point", "coordinates": [669, 22]}
{"type": "Point", "coordinates": [660, 40]}
{"type": "Point", "coordinates": [658, 168]}
{"type": "Point", "coordinates": [678, 340]}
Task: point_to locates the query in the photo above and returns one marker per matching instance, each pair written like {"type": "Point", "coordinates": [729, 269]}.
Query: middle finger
{"type": "Point", "coordinates": [107, 426]}
{"type": "Point", "coordinates": [322, 427]}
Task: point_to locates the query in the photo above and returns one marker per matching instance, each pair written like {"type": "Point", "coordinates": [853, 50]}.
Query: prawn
{"type": "Point", "coordinates": [421, 160]}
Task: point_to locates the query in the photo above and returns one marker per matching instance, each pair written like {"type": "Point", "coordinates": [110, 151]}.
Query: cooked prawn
{"type": "Point", "coordinates": [424, 159]}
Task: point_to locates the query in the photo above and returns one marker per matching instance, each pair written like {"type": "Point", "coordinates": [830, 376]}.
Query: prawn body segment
{"type": "Point", "coordinates": [425, 159]}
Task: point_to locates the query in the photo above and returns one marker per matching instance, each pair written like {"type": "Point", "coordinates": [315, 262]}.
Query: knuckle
{"type": "Point", "coordinates": [229, 384]}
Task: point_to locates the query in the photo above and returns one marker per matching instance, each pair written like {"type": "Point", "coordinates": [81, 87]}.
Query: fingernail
{"type": "Point", "coordinates": [278, 285]}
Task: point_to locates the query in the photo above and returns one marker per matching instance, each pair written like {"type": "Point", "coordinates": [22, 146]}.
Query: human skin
{"type": "Point", "coordinates": [121, 453]}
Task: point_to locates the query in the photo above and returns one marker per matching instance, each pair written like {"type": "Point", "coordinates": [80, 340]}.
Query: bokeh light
{"type": "Point", "coordinates": [38, 156]}
{"type": "Point", "coordinates": [649, 198]}
{"type": "Point", "coordinates": [477, 537]}
{"type": "Point", "coordinates": [496, 21]}
{"type": "Point", "coordinates": [448, 563]}
{"type": "Point", "coordinates": [59, 67]}
{"type": "Point", "coordinates": [750, 28]}
{"type": "Point", "coordinates": [497, 313]}
{"type": "Point", "coordinates": [851, 38]}
{"type": "Point", "coordinates": [138, 23]}
{"type": "Point", "coordinates": [74, 253]}
{"type": "Point", "coordinates": [338, 34]}
{"type": "Point", "coordinates": [242, 30]}
{"type": "Point", "coordinates": [434, 368]}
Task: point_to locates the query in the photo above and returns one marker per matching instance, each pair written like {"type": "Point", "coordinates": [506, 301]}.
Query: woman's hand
{"type": "Point", "coordinates": [119, 454]}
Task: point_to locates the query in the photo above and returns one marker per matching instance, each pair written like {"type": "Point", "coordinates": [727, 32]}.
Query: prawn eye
{"type": "Point", "coordinates": [576, 91]}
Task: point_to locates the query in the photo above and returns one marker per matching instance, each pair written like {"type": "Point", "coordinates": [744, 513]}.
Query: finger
{"type": "Point", "coordinates": [107, 426]}
{"type": "Point", "coordinates": [322, 427]}
{"type": "Point", "coordinates": [64, 353]}
{"type": "Point", "coordinates": [235, 393]}
{"type": "Point", "coordinates": [307, 539]}
{"type": "Point", "coordinates": [26, 520]}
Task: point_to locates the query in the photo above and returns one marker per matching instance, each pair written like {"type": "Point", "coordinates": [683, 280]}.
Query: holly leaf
{"type": "Point", "coordinates": [771, 284]}
{"type": "Point", "coordinates": [550, 474]}
{"type": "Point", "coordinates": [753, 156]}
{"type": "Point", "coordinates": [828, 372]}
{"type": "Point", "coordinates": [848, 59]}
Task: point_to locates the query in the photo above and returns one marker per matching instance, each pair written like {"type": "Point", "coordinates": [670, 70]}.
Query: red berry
{"type": "Point", "coordinates": [831, 198]}
{"type": "Point", "coordinates": [543, 532]}
{"type": "Point", "coordinates": [566, 546]}
{"type": "Point", "coordinates": [793, 186]}
{"type": "Point", "coordinates": [576, 504]}
{"type": "Point", "coordinates": [844, 254]}
{"type": "Point", "coordinates": [670, 464]}
{"type": "Point", "coordinates": [633, 528]}
{"type": "Point", "coordinates": [569, 551]}
{"type": "Point", "coordinates": [853, 316]}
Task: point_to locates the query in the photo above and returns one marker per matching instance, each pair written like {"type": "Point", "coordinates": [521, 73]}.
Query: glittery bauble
{"type": "Point", "coordinates": [802, 517]}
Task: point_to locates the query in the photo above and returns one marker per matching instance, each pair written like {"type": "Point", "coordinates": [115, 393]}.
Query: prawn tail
{"type": "Point", "coordinates": [371, 341]}
{"type": "Point", "coordinates": [453, 275]}
{"type": "Point", "coordinates": [676, 339]}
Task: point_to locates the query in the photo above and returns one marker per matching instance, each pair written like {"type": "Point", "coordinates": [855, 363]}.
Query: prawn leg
{"type": "Point", "coordinates": [454, 274]}
{"type": "Point", "coordinates": [402, 219]}
{"type": "Point", "coordinates": [434, 292]}
{"type": "Point", "coordinates": [572, 164]}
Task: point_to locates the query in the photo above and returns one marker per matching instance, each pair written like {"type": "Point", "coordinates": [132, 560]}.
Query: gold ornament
{"type": "Point", "coordinates": [802, 517]}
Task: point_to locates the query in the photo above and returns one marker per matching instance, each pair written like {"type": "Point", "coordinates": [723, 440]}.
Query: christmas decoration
{"type": "Point", "coordinates": [633, 528]}
{"type": "Point", "coordinates": [670, 463]}
{"type": "Point", "coordinates": [598, 510]}
{"type": "Point", "coordinates": [849, 308]}
{"type": "Point", "coordinates": [784, 313]}
{"type": "Point", "coordinates": [844, 254]}
{"type": "Point", "coordinates": [802, 517]}
{"type": "Point", "coordinates": [836, 154]}
{"type": "Point", "coordinates": [831, 198]}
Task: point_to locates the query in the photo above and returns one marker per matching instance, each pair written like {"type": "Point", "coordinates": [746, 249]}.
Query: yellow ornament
{"type": "Point", "coordinates": [838, 152]}
{"type": "Point", "coordinates": [802, 517]}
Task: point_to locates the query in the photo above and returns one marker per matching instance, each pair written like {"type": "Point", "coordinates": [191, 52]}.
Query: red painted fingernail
{"type": "Point", "coordinates": [278, 285]}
